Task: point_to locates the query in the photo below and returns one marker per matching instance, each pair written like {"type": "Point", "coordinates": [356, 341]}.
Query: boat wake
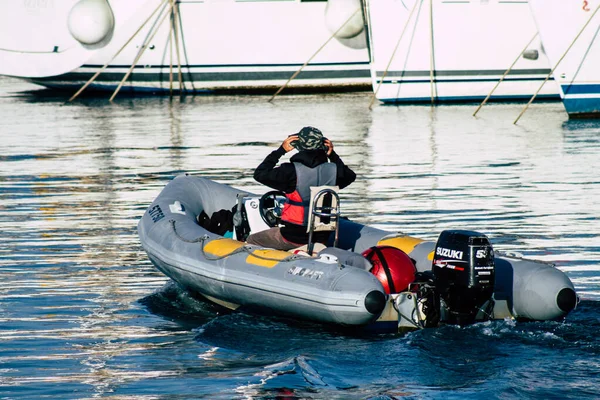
{"type": "Point", "coordinates": [284, 357]}
{"type": "Point", "coordinates": [181, 306]}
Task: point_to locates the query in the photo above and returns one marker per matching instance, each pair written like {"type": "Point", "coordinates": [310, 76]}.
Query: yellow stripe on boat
{"type": "Point", "coordinates": [263, 257]}
{"type": "Point", "coordinates": [404, 243]}
{"type": "Point", "coordinates": [222, 247]}
{"type": "Point", "coordinates": [268, 258]}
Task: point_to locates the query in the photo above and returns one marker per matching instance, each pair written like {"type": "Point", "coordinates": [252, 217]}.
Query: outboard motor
{"type": "Point", "coordinates": [464, 272]}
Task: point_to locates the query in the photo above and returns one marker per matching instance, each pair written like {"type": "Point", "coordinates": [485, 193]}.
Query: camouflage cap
{"type": "Point", "coordinates": [309, 138]}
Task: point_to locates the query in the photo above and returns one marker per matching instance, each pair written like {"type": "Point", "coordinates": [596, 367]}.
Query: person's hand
{"type": "Point", "coordinates": [287, 143]}
{"type": "Point", "coordinates": [329, 146]}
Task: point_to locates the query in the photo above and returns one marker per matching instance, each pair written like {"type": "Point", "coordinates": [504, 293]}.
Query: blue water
{"type": "Point", "coordinates": [84, 314]}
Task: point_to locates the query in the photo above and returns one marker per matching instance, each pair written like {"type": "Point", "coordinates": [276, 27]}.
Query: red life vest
{"type": "Point", "coordinates": [295, 209]}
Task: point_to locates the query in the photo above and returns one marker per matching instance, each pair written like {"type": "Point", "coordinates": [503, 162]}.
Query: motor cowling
{"type": "Point", "coordinates": [464, 273]}
{"type": "Point", "coordinates": [392, 267]}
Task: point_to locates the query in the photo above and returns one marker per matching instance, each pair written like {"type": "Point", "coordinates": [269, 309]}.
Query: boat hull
{"type": "Point", "coordinates": [573, 50]}
{"type": "Point", "coordinates": [219, 46]}
{"type": "Point", "coordinates": [331, 288]}
{"type": "Point", "coordinates": [523, 289]}
{"type": "Point", "coordinates": [248, 277]}
{"type": "Point", "coordinates": [444, 51]}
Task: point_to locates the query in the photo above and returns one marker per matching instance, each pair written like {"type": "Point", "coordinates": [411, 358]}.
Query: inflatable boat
{"type": "Point", "coordinates": [194, 233]}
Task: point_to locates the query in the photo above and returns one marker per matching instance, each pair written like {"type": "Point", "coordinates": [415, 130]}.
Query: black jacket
{"type": "Point", "coordinates": [283, 178]}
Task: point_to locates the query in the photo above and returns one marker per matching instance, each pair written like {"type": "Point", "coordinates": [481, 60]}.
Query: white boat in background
{"type": "Point", "coordinates": [569, 30]}
{"type": "Point", "coordinates": [455, 50]}
{"type": "Point", "coordinates": [220, 44]}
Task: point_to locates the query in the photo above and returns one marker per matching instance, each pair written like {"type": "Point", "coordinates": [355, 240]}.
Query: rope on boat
{"type": "Point", "coordinates": [393, 54]}
{"type": "Point", "coordinates": [504, 76]}
{"type": "Point", "coordinates": [556, 66]}
{"type": "Point", "coordinates": [174, 29]}
{"type": "Point", "coordinates": [431, 56]}
{"type": "Point", "coordinates": [488, 311]}
{"type": "Point", "coordinates": [243, 249]}
{"type": "Point", "coordinates": [197, 240]}
{"type": "Point", "coordinates": [171, 29]}
{"type": "Point", "coordinates": [143, 48]}
{"type": "Point", "coordinates": [313, 56]}
{"type": "Point", "coordinates": [185, 55]}
{"type": "Point", "coordinates": [116, 54]}
{"type": "Point", "coordinates": [410, 320]}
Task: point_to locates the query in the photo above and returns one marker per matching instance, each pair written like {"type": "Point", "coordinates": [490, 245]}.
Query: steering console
{"type": "Point", "coordinates": [271, 207]}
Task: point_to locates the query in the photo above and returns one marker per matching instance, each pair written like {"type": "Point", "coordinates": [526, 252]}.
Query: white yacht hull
{"type": "Point", "coordinates": [222, 45]}
{"type": "Point", "coordinates": [569, 30]}
{"type": "Point", "coordinates": [439, 50]}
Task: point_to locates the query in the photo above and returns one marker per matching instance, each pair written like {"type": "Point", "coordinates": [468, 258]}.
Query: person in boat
{"type": "Point", "coordinates": [315, 164]}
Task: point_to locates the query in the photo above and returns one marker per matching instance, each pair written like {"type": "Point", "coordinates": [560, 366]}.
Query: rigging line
{"type": "Point", "coordinates": [180, 75]}
{"type": "Point", "coordinates": [409, 49]}
{"type": "Point", "coordinates": [583, 60]}
{"type": "Point", "coordinates": [366, 27]}
{"type": "Point", "coordinates": [431, 55]}
{"type": "Point", "coordinates": [185, 55]}
{"type": "Point", "coordinates": [144, 47]}
{"type": "Point", "coordinates": [557, 64]}
{"type": "Point", "coordinates": [117, 53]}
{"type": "Point", "coordinates": [171, 27]}
{"type": "Point", "coordinates": [504, 75]}
{"type": "Point", "coordinates": [313, 56]}
{"type": "Point", "coordinates": [393, 54]}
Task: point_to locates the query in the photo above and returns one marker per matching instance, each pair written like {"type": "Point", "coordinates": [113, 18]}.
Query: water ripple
{"type": "Point", "coordinates": [84, 314]}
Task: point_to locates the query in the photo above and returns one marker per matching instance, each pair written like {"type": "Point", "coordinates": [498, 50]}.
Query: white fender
{"type": "Point", "coordinates": [338, 12]}
{"type": "Point", "coordinates": [357, 42]}
{"type": "Point", "coordinates": [92, 23]}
